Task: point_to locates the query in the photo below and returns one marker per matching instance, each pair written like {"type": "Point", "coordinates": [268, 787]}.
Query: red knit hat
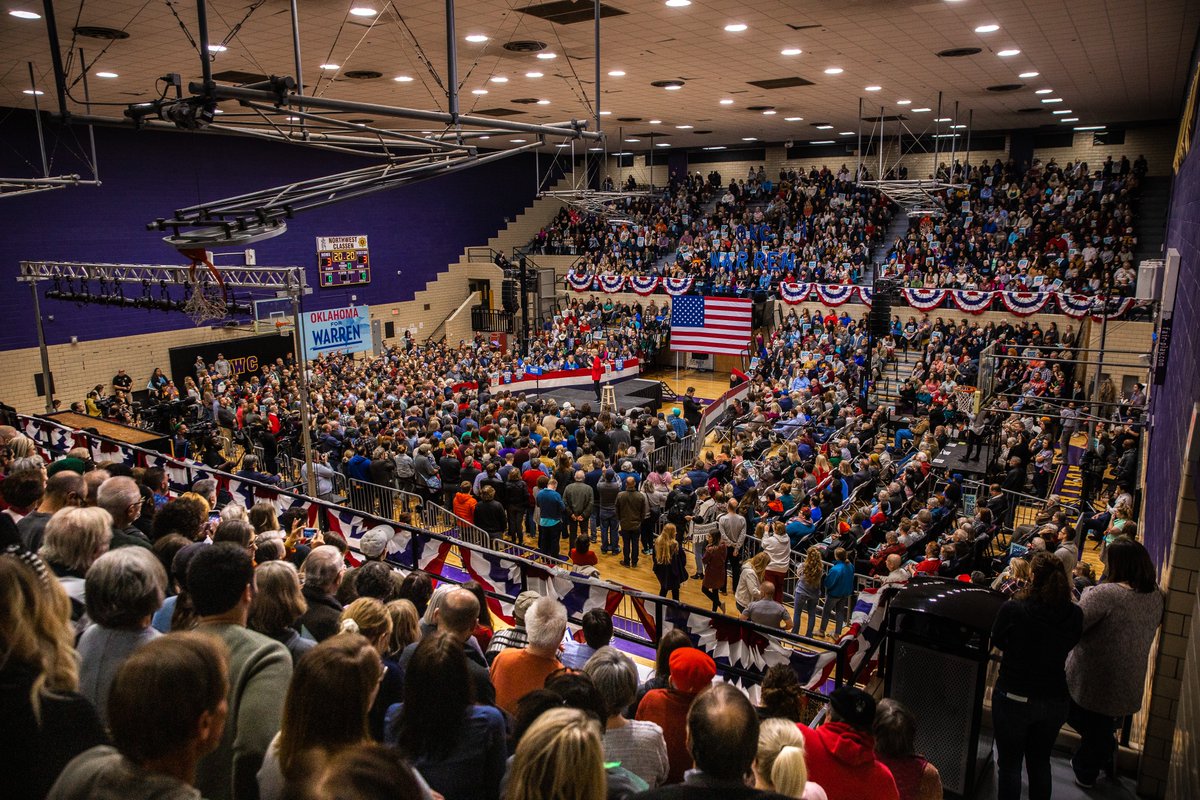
{"type": "Point", "coordinates": [692, 670]}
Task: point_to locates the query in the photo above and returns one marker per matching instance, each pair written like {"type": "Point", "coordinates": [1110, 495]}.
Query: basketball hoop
{"type": "Point", "coordinates": [206, 297]}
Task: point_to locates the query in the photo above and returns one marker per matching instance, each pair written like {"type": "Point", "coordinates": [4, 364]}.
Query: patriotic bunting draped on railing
{"type": "Point", "coordinates": [866, 294]}
{"type": "Point", "coordinates": [1023, 304]}
{"type": "Point", "coordinates": [677, 286]}
{"type": "Point", "coordinates": [1075, 305]}
{"type": "Point", "coordinates": [643, 284]}
{"type": "Point", "coordinates": [610, 283]}
{"type": "Point", "coordinates": [925, 299]}
{"type": "Point", "coordinates": [834, 294]}
{"type": "Point", "coordinates": [972, 302]}
{"type": "Point", "coordinates": [793, 293]}
{"type": "Point", "coordinates": [580, 283]}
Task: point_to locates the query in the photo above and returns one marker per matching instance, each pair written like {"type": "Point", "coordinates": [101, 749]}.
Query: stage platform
{"type": "Point", "coordinates": [954, 459]}
{"type": "Point", "coordinates": [114, 430]}
{"type": "Point", "coordinates": [631, 393]}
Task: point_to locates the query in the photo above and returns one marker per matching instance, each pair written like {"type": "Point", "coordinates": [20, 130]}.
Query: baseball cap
{"type": "Point", "coordinates": [691, 669]}
{"type": "Point", "coordinates": [374, 542]}
{"type": "Point", "coordinates": [854, 706]}
{"type": "Point", "coordinates": [521, 605]}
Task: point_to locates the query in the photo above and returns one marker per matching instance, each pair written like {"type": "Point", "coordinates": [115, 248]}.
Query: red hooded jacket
{"type": "Point", "coordinates": [842, 760]}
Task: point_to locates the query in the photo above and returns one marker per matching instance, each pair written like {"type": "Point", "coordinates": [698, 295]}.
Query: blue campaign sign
{"type": "Point", "coordinates": [344, 330]}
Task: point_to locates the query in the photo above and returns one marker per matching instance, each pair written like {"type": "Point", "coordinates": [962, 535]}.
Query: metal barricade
{"type": "Point", "coordinates": [675, 455]}
{"type": "Point", "coordinates": [442, 520]}
{"type": "Point", "coordinates": [511, 548]}
{"type": "Point", "coordinates": [384, 501]}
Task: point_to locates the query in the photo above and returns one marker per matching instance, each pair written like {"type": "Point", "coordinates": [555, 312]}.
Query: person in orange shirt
{"type": "Point", "coordinates": [464, 503]}
{"type": "Point", "coordinates": [692, 671]}
{"type": "Point", "coordinates": [518, 671]}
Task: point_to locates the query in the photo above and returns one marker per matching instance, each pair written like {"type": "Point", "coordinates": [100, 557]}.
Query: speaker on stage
{"type": "Point", "coordinates": [508, 295]}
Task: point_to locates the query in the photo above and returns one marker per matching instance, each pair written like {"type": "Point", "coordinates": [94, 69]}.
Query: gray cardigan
{"type": "Point", "coordinates": [1106, 672]}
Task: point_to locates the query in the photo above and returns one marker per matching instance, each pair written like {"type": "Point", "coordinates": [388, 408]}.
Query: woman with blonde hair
{"type": "Point", "coordinates": [560, 757]}
{"type": "Point", "coordinates": [821, 468]}
{"type": "Point", "coordinates": [370, 618]}
{"type": "Point", "coordinates": [779, 765]}
{"type": "Point", "coordinates": [406, 627]}
{"type": "Point", "coordinates": [74, 538]}
{"type": "Point", "coordinates": [751, 578]}
{"type": "Point", "coordinates": [808, 589]}
{"type": "Point", "coordinates": [326, 707]}
{"type": "Point", "coordinates": [278, 605]}
{"type": "Point", "coordinates": [46, 721]}
{"type": "Point", "coordinates": [670, 563]}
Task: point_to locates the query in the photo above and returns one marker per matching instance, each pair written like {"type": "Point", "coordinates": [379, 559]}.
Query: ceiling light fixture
{"type": "Point", "coordinates": [403, 79]}
{"type": "Point", "coordinates": [749, 139]}
{"type": "Point", "coordinates": [1089, 127]}
{"type": "Point", "coordinates": [24, 15]}
{"type": "Point", "coordinates": [824, 127]}
{"type": "Point", "coordinates": [684, 127]}
{"type": "Point", "coordinates": [1052, 99]}
{"type": "Point", "coordinates": [770, 112]}
{"type": "Point", "coordinates": [547, 56]}
{"type": "Point", "coordinates": [498, 79]}
{"type": "Point", "coordinates": [517, 141]}
{"type": "Point", "coordinates": [479, 91]}
{"type": "Point", "coordinates": [1009, 53]}
{"type": "Point", "coordinates": [674, 87]}
{"type": "Point", "coordinates": [823, 141]}
{"type": "Point", "coordinates": [834, 71]}
{"type": "Point", "coordinates": [655, 122]}
{"type": "Point", "coordinates": [790, 51]}
{"type": "Point", "coordinates": [631, 141]}
{"type": "Point", "coordinates": [958, 127]}
{"type": "Point", "coordinates": [1043, 91]}
{"type": "Point", "coordinates": [990, 28]}
{"type": "Point", "coordinates": [217, 48]}
{"type": "Point", "coordinates": [716, 147]}
{"type": "Point", "coordinates": [904, 102]}
{"type": "Point", "coordinates": [1069, 119]}
{"type": "Point", "coordinates": [872, 88]}
{"type": "Point", "coordinates": [735, 27]}
{"type": "Point", "coordinates": [726, 102]}
{"type": "Point", "coordinates": [793, 119]}
{"type": "Point", "coordinates": [291, 119]}
{"type": "Point", "coordinates": [543, 102]}
{"type": "Point", "coordinates": [476, 38]}
{"type": "Point", "coordinates": [1029, 74]}
{"type": "Point", "coordinates": [107, 75]}
{"type": "Point", "coordinates": [363, 11]}
{"type": "Point", "coordinates": [36, 92]}
{"type": "Point", "coordinates": [1060, 112]}
{"type": "Point", "coordinates": [845, 133]}
{"type": "Point", "coordinates": [533, 74]}
{"type": "Point", "coordinates": [663, 144]}
{"type": "Point", "coordinates": [921, 110]}
{"type": "Point", "coordinates": [331, 66]}
{"type": "Point", "coordinates": [605, 113]}
{"type": "Point", "coordinates": [678, 3]}
{"type": "Point", "coordinates": [218, 111]}
{"type": "Point", "coordinates": [617, 73]}
{"type": "Point", "coordinates": [595, 149]}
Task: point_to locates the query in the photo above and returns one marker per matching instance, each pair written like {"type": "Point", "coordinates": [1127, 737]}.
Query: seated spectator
{"type": "Point", "coordinates": [220, 584]}
{"type": "Point", "coordinates": [368, 617]}
{"type": "Point", "coordinates": [278, 606]}
{"type": "Point", "coordinates": [325, 708]}
{"type": "Point", "coordinates": [321, 575]}
{"type": "Point", "coordinates": [484, 630]}
{"type": "Point", "coordinates": [360, 772]}
{"type": "Point", "coordinates": [841, 753]}
{"type": "Point", "coordinates": [581, 554]}
{"type": "Point", "coordinates": [516, 672]}
{"type": "Point", "coordinates": [692, 671]}
{"type": "Point", "coordinates": [122, 499]}
{"type": "Point", "coordinates": [124, 589]}
{"type": "Point", "coordinates": [637, 745]}
{"type": "Point", "coordinates": [779, 765]}
{"type": "Point", "coordinates": [405, 627]}
{"type": "Point", "coordinates": [895, 731]}
{"type": "Point", "coordinates": [516, 636]}
{"type": "Point", "coordinates": [74, 539]}
{"type": "Point", "coordinates": [160, 734]}
{"type": "Point", "coordinates": [597, 629]}
{"type": "Point", "coordinates": [63, 489]}
{"type": "Point", "coordinates": [457, 615]}
{"type": "Point", "coordinates": [46, 722]}
{"type": "Point", "coordinates": [722, 741]}
{"type": "Point", "coordinates": [560, 755]}
{"type": "Point", "coordinates": [782, 695]}
{"type": "Point", "coordinates": [766, 610]}
{"type": "Point", "coordinates": [457, 745]}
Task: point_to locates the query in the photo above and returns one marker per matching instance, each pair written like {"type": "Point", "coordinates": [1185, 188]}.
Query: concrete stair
{"type": "Point", "coordinates": [441, 297]}
{"type": "Point", "coordinates": [887, 390]}
{"type": "Point", "coordinates": [897, 228]}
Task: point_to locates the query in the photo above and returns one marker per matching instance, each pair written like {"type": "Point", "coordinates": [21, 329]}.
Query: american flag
{"type": "Point", "coordinates": [711, 324]}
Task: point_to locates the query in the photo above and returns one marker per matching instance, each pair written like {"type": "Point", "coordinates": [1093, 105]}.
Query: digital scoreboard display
{"type": "Point", "coordinates": [342, 261]}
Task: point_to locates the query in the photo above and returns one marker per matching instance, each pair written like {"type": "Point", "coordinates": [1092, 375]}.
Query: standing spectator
{"type": "Point", "coordinates": [465, 503]}
{"type": "Point", "coordinates": [841, 753]}
{"type": "Point", "coordinates": [839, 588]}
{"type": "Point", "coordinates": [550, 510]}
{"type": "Point", "coordinates": [714, 569]}
{"type": "Point", "coordinates": [808, 590]}
{"type": "Point", "coordinates": [692, 671]}
{"type": "Point", "coordinates": [325, 707]}
{"type": "Point", "coordinates": [457, 744]}
{"type": "Point", "coordinates": [278, 606]}
{"type": "Point", "coordinates": [779, 764]}
{"type": "Point", "coordinates": [750, 580]}
{"type": "Point", "coordinates": [490, 514]}
{"type": "Point", "coordinates": [580, 501]}
{"type": "Point", "coordinates": [637, 744]}
{"type": "Point", "coordinates": [670, 563]}
{"type": "Point", "coordinates": [63, 490]}
{"type": "Point", "coordinates": [122, 499]}
{"type": "Point", "coordinates": [1035, 630]}
{"type": "Point", "coordinates": [160, 733]}
{"type": "Point", "coordinates": [895, 732]}
{"type": "Point", "coordinates": [369, 617]}
{"type": "Point", "coordinates": [456, 612]}
{"type": "Point", "coordinates": [1106, 672]}
{"type": "Point", "coordinates": [516, 500]}
{"type": "Point", "coordinates": [607, 490]}
{"type": "Point", "coordinates": [691, 408]}
{"type": "Point", "coordinates": [668, 643]}
{"type": "Point", "coordinates": [722, 741]}
{"type": "Point", "coordinates": [124, 589]}
{"type": "Point", "coordinates": [559, 756]}
{"type": "Point", "coordinates": [74, 539]}
{"type": "Point", "coordinates": [631, 507]}
{"type": "Point", "coordinates": [732, 526]}
{"type": "Point", "coordinates": [597, 627]}
{"type": "Point", "coordinates": [517, 636]}
{"type": "Point", "coordinates": [321, 576]}
{"type": "Point", "coordinates": [220, 583]}
{"type": "Point", "coordinates": [46, 722]}
{"type": "Point", "coordinates": [778, 546]}
{"type": "Point", "coordinates": [517, 672]}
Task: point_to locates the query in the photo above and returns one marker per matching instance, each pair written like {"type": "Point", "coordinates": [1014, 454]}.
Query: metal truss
{"type": "Point", "coordinates": [919, 198]}
{"type": "Point", "coordinates": [14, 187]}
{"type": "Point", "coordinates": [285, 279]}
{"type": "Point", "coordinates": [592, 201]}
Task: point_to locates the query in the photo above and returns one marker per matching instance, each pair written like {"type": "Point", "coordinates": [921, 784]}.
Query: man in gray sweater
{"type": "Point", "coordinates": [732, 526]}
{"type": "Point", "coordinates": [579, 500]}
{"type": "Point", "coordinates": [607, 490]}
{"type": "Point", "coordinates": [632, 508]}
{"type": "Point", "coordinates": [220, 583]}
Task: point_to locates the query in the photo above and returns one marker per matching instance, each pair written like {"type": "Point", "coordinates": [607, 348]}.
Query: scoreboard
{"type": "Point", "coordinates": [342, 261]}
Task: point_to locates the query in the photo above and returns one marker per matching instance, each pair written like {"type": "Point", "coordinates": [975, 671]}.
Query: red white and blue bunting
{"type": "Point", "coordinates": [643, 284]}
{"type": "Point", "coordinates": [610, 283]}
{"type": "Point", "coordinates": [832, 294]}
{"type": "Point", "coordinates": [793, 293]}
{"type": "Point", "coordinates": [1023, 304]}
{"type": "Point", "coordinates": [677, 286]}
{"type": "Point", "coordinates": [1075, 305]}
{"type": "Point", "coordinates": [1116, 308]}
{"type": "Point", "coordinates": [971, 301]}
{"type": "Point", "coordinates": [580, 283]}
{"type": "Point", "coordinates": [925, 299]}
{"type": "Point", "coordinates": [866, 294]}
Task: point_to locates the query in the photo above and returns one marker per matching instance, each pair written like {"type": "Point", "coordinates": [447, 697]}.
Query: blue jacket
{"type": "Point", "coordinates": [840, 580]}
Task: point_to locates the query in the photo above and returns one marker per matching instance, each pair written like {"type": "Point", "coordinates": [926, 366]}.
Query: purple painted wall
{"type": "Point", "coordinates": [418, 229]}
{"type": "Point", "coordinates": [1171, 403]}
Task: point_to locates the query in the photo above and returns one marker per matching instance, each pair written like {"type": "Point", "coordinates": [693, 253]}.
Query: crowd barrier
{"type": "Point", "coordinates": [742, 650]}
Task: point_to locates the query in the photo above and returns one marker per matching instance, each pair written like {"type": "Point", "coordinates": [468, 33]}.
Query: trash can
{"type": "Point", "coordinates": [939, 641]}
